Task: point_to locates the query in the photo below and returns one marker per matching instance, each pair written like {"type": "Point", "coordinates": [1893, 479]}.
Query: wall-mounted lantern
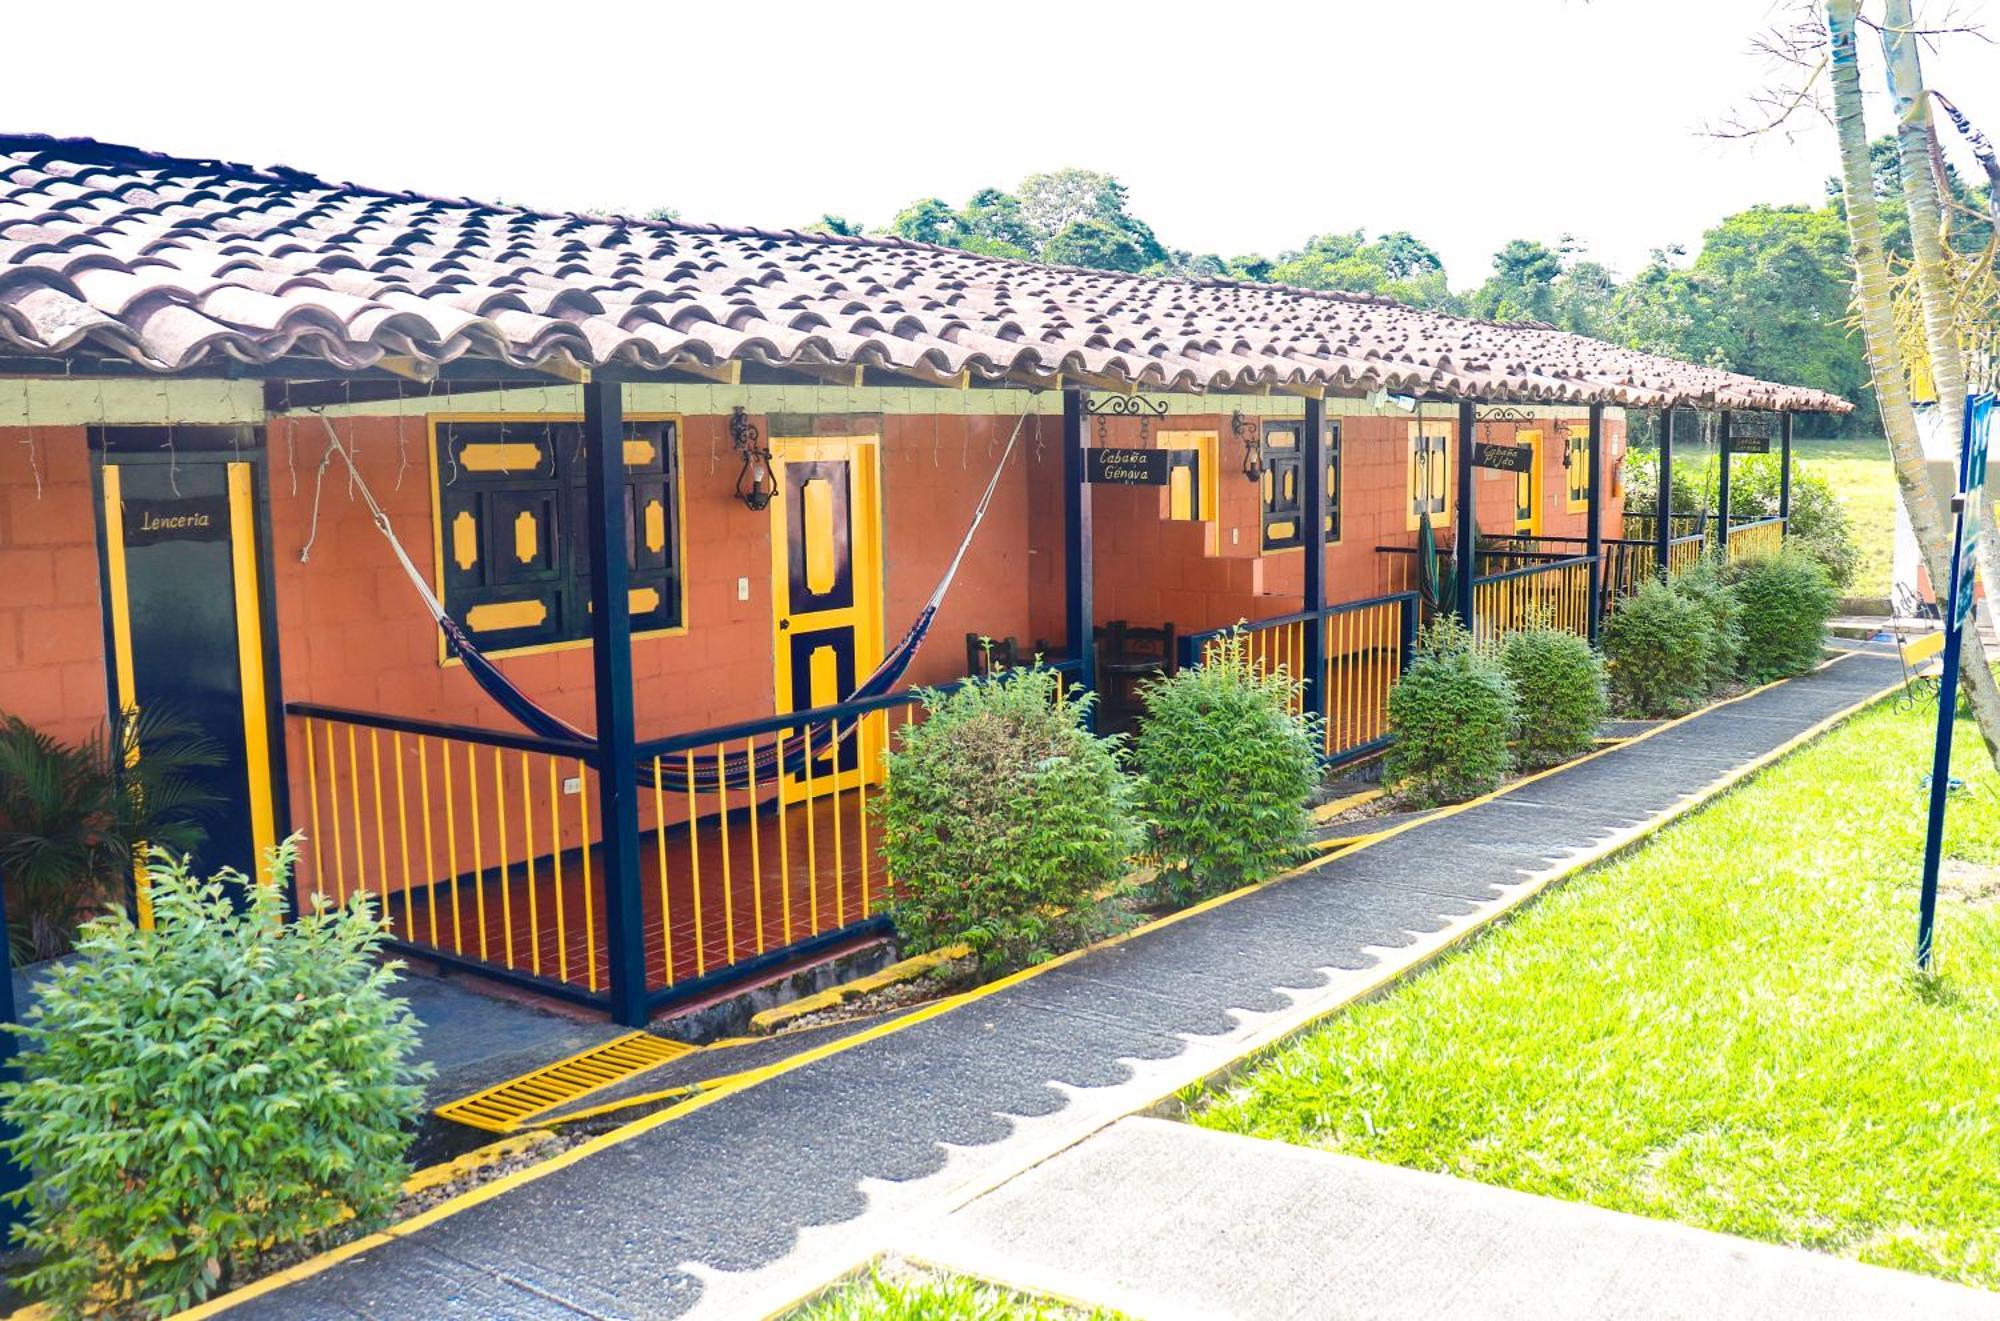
{"type": "Point", "coordinates": [1248, 433]}
{"type": "Point", "coordinates": [754, 484]}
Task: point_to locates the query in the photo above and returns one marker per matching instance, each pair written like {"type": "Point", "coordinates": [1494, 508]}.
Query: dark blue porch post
{"type": "Point", "coordinates": [1785, 471]}
{"type": "Point", "coordinates": [1079, 598]}
{"type": "Point", "coordinates": [1722, 489]}
{"type": "Point", "coordinates": [1467, 513]}
{"type": "Point", "coordinates": [1663, 500]}
{"type": "Point", "coordinates": [1312, 504]}
{"type": "Point", "coordinates": [611, 658]}
{"type": "Point", "coordinates": [1594, 533]}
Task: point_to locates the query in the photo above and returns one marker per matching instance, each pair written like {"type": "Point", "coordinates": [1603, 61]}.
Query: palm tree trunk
{"type": "Point", "coordinates": [1915, 152]}
{"type": "Point", "coordinates": [1878, 322]}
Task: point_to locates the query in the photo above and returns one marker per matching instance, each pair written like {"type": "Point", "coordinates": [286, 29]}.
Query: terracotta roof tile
{"type": "Point", "coordinates": [173, 262]}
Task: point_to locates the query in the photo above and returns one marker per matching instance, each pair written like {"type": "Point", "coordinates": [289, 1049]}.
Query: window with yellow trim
{"type": "Point", "coordinates": [1528, 485]}
{"type": "Point", "coordinates": [1190, 475]}
{"type": "Point", "coordinates": [1576, 467]}
{"type": "Point", "coordinates": [1284, 485]}
{"type": "Point", "coordinates": [1430, 472]}
{"type": "Point", "coordinates": [513, 551]}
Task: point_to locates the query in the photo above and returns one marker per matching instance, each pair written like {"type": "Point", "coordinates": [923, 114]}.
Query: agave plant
{"type": "Point", "coordinates": [75, 817]}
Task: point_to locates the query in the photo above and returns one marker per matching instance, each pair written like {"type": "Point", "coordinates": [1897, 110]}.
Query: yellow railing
{"type": "Point", "coordinates": [1557, 595]}
{"type": "Point", "coordinates": [761, 839]}
{"type": "Point", "coordinates": [1683, 553]}
{"type": "Point", "coordinates": [1764, 537]}
{"type": "Point", "coordinates": [478, 848]}
{"type": "Point", "coordinates": [1363, 648]}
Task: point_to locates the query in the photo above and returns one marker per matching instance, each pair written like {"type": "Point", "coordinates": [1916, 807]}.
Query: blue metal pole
{"type": "Point", "coordinates": [1312, 505]}
{"type": "Point", "coordinates": [12, 1175]}
{"type": "Point", "coordinates": [1663, 500]}
{"type": "Point", "coordinates": [1467, 514]}
{"type": "Point", "coordinates": [1940, 783]}
{"type": "Point", "coordinates": [611, 662]}
{"type": "Point", "coordinates": [1722, 488]}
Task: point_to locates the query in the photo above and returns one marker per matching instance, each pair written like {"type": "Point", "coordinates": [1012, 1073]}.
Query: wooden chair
{"type": "Point", "coordinates": [1127, 656]}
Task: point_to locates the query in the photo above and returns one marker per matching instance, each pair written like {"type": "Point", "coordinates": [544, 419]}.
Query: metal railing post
{"type": "Point", "coordinates": [1312, 504]}
{"type": "Point", "coordinates": [611, 661]}
{"type": "Point", "coordinates": [1722, 488]}
{"type": "Point", "coordinates": [1079, 595]}
{"type": "Point", "coordinates": [1594, 535]}
{"type": "Point", "coordinates": [1663, 499]}
{"type": "Point", "coordinates": [1785, 472]}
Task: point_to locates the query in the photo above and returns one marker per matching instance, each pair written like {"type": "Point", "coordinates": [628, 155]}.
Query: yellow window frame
{"type": "Point", "coordinates": [1531, 482]}
{"type": "Point", "coordinates": [1576, 471]}
{"type": "Point", "coordinates": [1176, 503]}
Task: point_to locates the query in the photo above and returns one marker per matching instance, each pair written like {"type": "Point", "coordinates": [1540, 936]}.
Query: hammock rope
{"type": "Point", "coordinates": [739, 770]}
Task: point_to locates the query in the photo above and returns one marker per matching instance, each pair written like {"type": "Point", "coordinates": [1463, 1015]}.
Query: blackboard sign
{"type": "Point", "coordinates": [1749, 444]}
{"type": "Point", "coordinates": [196, 518]}
{"type": "Point", "coordinates": [1507, 458]}
{"type": "Point", "coordinates": [1105, 466]}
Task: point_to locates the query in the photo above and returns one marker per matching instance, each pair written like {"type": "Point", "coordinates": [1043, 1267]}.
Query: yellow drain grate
{"type": "Point", "coordinates": [504, 1108]}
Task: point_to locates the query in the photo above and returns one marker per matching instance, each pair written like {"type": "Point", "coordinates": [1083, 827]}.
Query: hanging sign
{"type": "Point", "coordinates": [193, 518]}
{"type": "Point", "coordinates": [1749, 444]}
{"type": "Point", "coordinates": [1979, 411]}
{"type": "Point", "coordinates": [1106, 466]}
{"type": "Point", "coordinates": [1507, 458]}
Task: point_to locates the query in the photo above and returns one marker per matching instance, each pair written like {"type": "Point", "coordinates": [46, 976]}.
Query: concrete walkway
{"type": "Point", "coordinates": [736, 1205]}
{"type": "Point", "coordinates": [1162, 1220]}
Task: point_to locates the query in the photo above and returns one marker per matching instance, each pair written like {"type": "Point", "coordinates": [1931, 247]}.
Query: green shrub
{"type": "Point", "coordinates": [1819, 522]}
{"type": "Point", "coordinates": [1707, 588]}
{"type": "Point", "coordinates": [1452, 714]}
{"type": "Point", "coordinates": [1002, 818]}
{"type": "Point", "coordinates": [1786, 601]}
{"type": "Point", "coordinates": [1226, 772]}
{"type": "Point", "coordinates": [1559, 694]}
{"type": "Point", "coordinates": [220, 1085]}
{"type": "Point", "coordinates": [1659, 650]}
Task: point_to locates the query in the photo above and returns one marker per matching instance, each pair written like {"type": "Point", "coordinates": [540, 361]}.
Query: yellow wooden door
{"type": "Point", "coordinates": [826, 596]}
{"type": "Point", "coordinates": [1528, 487]}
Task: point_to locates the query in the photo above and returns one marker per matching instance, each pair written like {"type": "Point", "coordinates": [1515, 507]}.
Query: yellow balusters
{"type": "Point", "coordinates": [589, 898]}
{"type": "Point", "coordinates": [694, 869]}
{"type": "Point", "coordinates": [722, 830]}
{"type": "Point", "coordinates": [506, 871]}
{"type": "Point", "coordinates": [660, 848]}
{"type": "Point", "coordinates": [555, 870]}
{"type": "Point", "coordinates": [756, 853]}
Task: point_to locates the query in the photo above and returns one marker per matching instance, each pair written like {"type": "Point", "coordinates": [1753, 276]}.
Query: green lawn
{"type": "Point", "coordinates": [902, 1293]}
{"type": "Point", "coordinates": [1721, 1028]}
{"type": "Point", "coordinates": [1859, 471]}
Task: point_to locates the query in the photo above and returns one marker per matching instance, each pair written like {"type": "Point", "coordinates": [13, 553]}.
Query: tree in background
{"type": "Point", "coordinates": [1396, 265]}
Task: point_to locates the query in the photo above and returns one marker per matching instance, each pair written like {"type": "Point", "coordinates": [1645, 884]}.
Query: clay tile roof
{"type": "Point", "coordinates": [173, 262]}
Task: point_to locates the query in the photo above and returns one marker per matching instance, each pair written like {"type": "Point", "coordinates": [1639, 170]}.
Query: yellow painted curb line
{"type": "Point", "coordinates": [433, 1176]}
{"type": "Point", "coordinates": [751, 1077]}
{"type": "Point", "coordinates": [906, 970]}
{"type": "Point", "coordinates": [1328, 811]}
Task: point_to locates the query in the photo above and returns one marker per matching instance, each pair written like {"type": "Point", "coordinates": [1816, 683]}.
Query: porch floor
{"type": "Point", "coordinates": [712, 897]}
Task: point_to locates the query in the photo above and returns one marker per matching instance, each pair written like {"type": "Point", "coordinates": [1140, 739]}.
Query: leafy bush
{"type": "Point", "coordinates": [1452, 714]}
{"type": "Point", "coordinates": [1659, 651]}
{"type": "Point", "coordinates": [1002, 818]}
{"type": "Point", "coordinates": [1559, 694]}
{"type": "Point", "coordinates": [220, 1085]}
{"type": "Point", "coordinates": [1705, 586]}
{"type": "Point", "coordinates": [71, 817]}
{"type": "Point", "coordinates": [1819, 522]}
{"type": "Point", "coordinates": [1226, 772]}
{"type": "Point", "coordinates": [1786, 600]}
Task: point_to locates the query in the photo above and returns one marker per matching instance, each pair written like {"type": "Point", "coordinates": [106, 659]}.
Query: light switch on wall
{"type": "Point", "coordinates": [742, 589]}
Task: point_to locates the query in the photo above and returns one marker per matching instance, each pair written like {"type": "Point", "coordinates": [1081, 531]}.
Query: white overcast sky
{"type": "Point", "coordinates": [1239, 127]}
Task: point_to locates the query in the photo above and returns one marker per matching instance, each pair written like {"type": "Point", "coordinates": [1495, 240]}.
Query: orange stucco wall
{"type": "Point", "coordinates": [51, 624]}
{"type": "Point", "coordinates": [351, 632]}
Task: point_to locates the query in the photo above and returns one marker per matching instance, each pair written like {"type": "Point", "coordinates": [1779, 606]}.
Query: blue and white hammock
{"type": "Point", "coordinates": [789, 755]}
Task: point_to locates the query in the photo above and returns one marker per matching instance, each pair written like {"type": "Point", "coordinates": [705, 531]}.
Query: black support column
{"type": "Point", "coordinates": [1079, 596]}
{"type": "Point", "coordinates": [1722, 488]}
{"type": "Point", "coordinates": [1663, 500]}
{"type": "Point", "coordinates": [611, 660]}
{"type": "Point", "coordinates": [1594, 533]}
{"type": "Point", "coordinates": [1467, 513]}
{"type": "Point", "coordinates": [1312, 502]}
{"type": "Point", "coordinates": [1785, 471]}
